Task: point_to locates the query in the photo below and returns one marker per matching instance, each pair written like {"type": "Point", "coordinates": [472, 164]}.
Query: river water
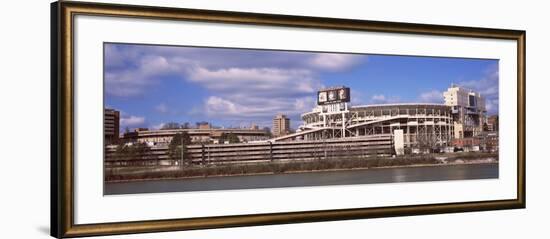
{"type": "Point", "coordinates": [365, 176]}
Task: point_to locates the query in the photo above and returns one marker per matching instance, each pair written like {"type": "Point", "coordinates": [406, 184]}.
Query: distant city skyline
{"type": "Point", "coordinates": [152, 85]}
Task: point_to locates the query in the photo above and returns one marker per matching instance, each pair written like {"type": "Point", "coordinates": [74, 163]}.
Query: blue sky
{"type": "Point", "coordinates": [153, 85]}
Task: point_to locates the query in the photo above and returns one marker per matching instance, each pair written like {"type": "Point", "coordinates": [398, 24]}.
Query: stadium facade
{"type": "Point", "coordinates": [421, 125]}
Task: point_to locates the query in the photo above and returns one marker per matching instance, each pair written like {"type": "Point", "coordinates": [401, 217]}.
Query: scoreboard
{"type": "Point", "coordinates": [333, 96]}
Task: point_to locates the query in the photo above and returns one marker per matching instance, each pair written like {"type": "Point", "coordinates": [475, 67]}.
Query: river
{"type": "Point", "coordinates": [363, 176]}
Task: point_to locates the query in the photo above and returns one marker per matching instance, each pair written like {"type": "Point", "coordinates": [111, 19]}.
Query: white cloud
{"type": "Point", "coordinates": [147, 71]}
{"type": "Point", "coordinates": [256, 93]}
{"type": "Point", "coordinates": [131, 121]}
{"type": "Point", "coordinates": [305, 104]}
{"type": "Point", "coordinates": [335, 62]}
{"type": "Point", "coordinates": [378, 98]}
{"type": "Point", "coordinates": [433, 96]}
{"type": "Point", "coordinates": [132, 69]}
{"type": "Point", "coordinates": [216, 105]}
{"type": "Point", "coordinates": [267, 82]}
{"type": "Point", "coordinates": [240, 84]}
{"type": "Point", "coordinates": [157, 126]}
{"type": "Point", "coordinates": [261, 108]}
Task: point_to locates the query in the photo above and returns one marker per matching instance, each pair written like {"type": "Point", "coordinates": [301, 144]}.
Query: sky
{"type": "Point", "coordinates": [153, 84]}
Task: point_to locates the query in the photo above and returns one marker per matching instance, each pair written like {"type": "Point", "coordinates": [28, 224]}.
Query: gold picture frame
{"type": "Point", "coordinates": [62, 128]}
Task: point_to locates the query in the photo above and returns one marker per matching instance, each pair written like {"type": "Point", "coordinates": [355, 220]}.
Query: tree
{"type": "Point", "coordinates": [170, 125]}
{"type": "Point", "coordinates": [229, 137]}
{"type": "Point", "coordinates": [425, 141]}
{"type": "Point", "coordinates": [141, 149]}
{"type": "Point", "coordinates": [133, 151]}
{"type": "Point", "coordinates": [177, 149]}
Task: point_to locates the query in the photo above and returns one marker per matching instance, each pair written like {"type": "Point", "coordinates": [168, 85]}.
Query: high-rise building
{"type": "Point", "coordinates": [111, 126]}
{"type": "Point", "coordinates": [281, 125]}
{"type": "Point", "coordinates": [468, 110]}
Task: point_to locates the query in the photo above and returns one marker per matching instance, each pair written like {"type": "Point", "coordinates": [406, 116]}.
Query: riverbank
{"type": "Point", "coordinates": [265, 168]}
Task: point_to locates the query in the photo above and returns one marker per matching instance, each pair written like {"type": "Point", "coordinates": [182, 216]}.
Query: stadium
{"type": "Point", "coordinates": [413, 125]}
{"type": "Point", "coordinates": [421, 124]}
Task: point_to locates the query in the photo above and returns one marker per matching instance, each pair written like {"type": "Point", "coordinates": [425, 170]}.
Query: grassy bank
{"type": "Point", "coordinates": [141, 173]}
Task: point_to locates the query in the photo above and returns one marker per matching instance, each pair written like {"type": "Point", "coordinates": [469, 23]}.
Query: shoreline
{"type": "Point", "coordinates": [466, 162]}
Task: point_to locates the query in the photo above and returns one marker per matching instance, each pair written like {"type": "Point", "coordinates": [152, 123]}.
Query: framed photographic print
{"type": "Point", "coordinates": [170, 119]}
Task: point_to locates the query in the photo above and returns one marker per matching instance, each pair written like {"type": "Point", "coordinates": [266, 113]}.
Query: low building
{"type": "Point", "coordinates": [206, 136]}
{"type": "Point", "coordinates": [489, 141]}
{"type": "Point", "coordinates": [485, 141]}
{"type": "Point", "coordinates": [466, 142]}
{"type": "Point", "coordinates": [204, 125]}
